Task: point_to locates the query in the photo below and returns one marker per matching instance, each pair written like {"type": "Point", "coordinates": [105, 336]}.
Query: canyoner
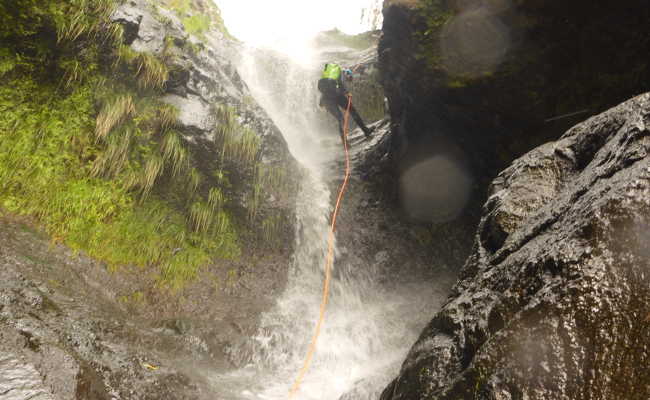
{"type": "Point", "coordinates": [335, 96]}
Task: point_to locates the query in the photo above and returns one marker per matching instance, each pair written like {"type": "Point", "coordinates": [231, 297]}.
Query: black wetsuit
{"type": "Point", "coordinates": [334, 96]}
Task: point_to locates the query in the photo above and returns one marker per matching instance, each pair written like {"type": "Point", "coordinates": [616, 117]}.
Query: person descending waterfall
{"type": "Point", "coordinates": [335, 96]}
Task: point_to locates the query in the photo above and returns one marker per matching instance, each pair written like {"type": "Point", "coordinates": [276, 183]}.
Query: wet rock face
{"type": "Point", "coordinates": [494, 71]}
{"type": "Point", "coordinates": [488, 75]}
{"type": "Point", "coordinates": [202, 77]}
{"type": "Point", "coordinates": [201, 72]}
{"type": "Point", "coordinates": [56, 347]}
{"type": "Point", "coordinates": [554, 301]}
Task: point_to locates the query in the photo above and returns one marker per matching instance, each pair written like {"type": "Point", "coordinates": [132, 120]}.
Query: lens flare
{"type": "Point", "coordinates": [475, 41]}
{"type": "Point", "coordinates": [435, 190]}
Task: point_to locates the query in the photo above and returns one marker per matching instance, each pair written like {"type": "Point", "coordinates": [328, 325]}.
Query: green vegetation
{"type": "Point", "coordinates": [335, 37]}
{"type": "Point", "coordinates": [198, 16]}
{"type": "Point", "coordinates": [239, 147]}
{"type": "Point", "coordinates": [197, 25]}
{"type": "Point", "coordinates": [435, 13]}
{"type": "Point", "coordinates": [87, 149]}
{"type": "Point", "coordinates": [238, 143]}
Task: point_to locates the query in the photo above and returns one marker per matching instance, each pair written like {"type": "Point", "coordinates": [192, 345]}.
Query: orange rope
{"type": "Point", "coordinates": [330, 259]}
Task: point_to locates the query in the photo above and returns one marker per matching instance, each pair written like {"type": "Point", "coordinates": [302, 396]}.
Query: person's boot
{"type": "Point", "coordinates": [367, 131]}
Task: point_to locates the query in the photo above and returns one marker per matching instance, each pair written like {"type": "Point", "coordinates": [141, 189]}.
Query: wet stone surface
{"type": "Point", "coordinates": [552, 302]}
{"type": "Point", "coordinates": [70, 329]}
{"type": "Point", "coordinates": [61, 338]}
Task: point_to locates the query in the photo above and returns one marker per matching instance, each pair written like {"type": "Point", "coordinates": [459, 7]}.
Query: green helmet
{"type": "Point", "coordinates": [332, 71]}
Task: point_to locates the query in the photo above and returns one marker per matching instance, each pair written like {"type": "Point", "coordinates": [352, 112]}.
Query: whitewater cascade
{"type": "Point", "coordinates": [368, 328]}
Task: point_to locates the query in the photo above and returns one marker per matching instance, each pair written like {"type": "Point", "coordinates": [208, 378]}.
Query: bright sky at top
{"type": "Point", "coordinates": [274, 23]}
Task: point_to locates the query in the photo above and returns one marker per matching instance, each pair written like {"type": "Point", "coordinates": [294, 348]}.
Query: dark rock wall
{"type": "Point", "coordinates": [488, 75]}
{"type": "Point", "coordinates": [554, 301]}
{"type": "Point", "coordinates": [559, 58]}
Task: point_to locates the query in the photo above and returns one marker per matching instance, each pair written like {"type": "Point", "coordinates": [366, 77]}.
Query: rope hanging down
{"type": "Point", "coordinates": [329, 260]}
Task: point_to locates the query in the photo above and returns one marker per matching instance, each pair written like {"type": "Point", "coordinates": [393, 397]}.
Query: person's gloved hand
{"type": "Point", "coordinates": [347, 73]}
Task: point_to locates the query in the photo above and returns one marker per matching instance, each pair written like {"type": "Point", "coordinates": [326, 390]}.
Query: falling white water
{"type": "Point", "coordinates": [369, 327]}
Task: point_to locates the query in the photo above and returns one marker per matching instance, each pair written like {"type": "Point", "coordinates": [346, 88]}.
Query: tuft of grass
{"type": "Point", "coordinates": [194, 180]}
{"type": "Point", "coordinates": [151, 72]}
{"type": "Point", "coordinates": [114, 112]}
{"type": "Point", "coordinates": [174, 152]}
{"type": "Point", "coordinates": [255, 201]}
{"type": "Point", "coordinates": [271, 228]}
{"type": "Point", "coordinates": [167, 117]}
{"type": "Point", "coordinates": [201, 216]}
{"type": "Point", "coordinates": [205, 218]}
{"type": "Point", "coordinates": [77, 21]}
{"type": "Point", "coordinates": [114, 158]}
{"type": "Point", "coordinates": [115, 34]}
{"type": "Point", "coordinates": [216, 199]}
{"type": "Point", "coordinates": [270, 180]}
{"type": "Point", "coordinates": [125, 54]}
{"type": "Point", "coordinates": [74, 72]}
{"type": "Point", "coordinates": [153, 169]}
{"type": "Point", "coordinates": [238, 144]}
{"type": "Point", "coordinates": [181, 7]}
{"type": "Point", "coordinates": [199, 16]}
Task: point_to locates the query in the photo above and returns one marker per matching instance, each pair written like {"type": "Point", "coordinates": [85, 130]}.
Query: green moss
{"type": "Point", "coordinates": [197, 25]}
{"type": "Point", "coordinates": [181, 7]}
{"type": "Point", "coordinates": [7, 61]}
{"type": "Point", "coordinates": [198, 16]}
{"type": "Point", "coordinates": [435, 14]}
{"type": "Point", "coordinates": [456, 84]}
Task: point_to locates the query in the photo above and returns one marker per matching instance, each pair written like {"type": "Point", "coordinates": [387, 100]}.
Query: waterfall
{"type": "Point", "coordinates": [369, 324]}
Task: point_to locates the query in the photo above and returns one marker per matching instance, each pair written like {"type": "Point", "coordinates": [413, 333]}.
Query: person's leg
{"type": "Point", "coordinates": [359, 121]}
{"type": "Point", "coordinates": [332, 108]}
{"type": "Point", "coordinates": [343, 102]}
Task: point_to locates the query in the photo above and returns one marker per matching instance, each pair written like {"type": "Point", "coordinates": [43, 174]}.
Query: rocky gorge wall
{"type": "Point", "coordinates": [481, 81]}
{"type": "Point", "coordinates": [552, 298]}
{"type": "Point", "coordinates": [553, 301]}
{"type": "Point", "coordinates": [146, 200]}
{"type": "Point", "coordinates": [156, 139]}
